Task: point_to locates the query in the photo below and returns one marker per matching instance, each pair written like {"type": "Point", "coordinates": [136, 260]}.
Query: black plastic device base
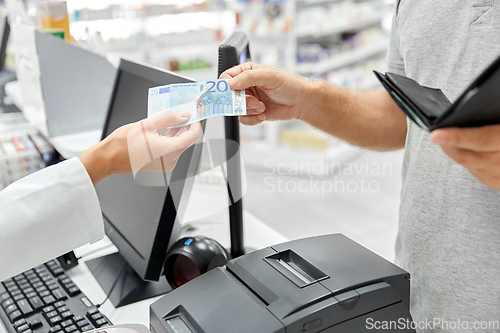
{"type": "Point", "coordinates": [68, 260]}
{"type": "Point", "coordinates": [129, 288]}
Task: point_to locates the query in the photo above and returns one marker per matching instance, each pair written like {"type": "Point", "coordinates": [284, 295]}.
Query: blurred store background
{"type": "Point", "coordinates": [300, 181]}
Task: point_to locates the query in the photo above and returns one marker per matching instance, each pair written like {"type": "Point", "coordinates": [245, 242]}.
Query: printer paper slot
{"type": "Point", "coordinates": [180, 321]}
{"type": "Point", "coordinates": [298, 270]}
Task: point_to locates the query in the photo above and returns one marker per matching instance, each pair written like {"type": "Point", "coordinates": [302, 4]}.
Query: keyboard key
{"type": "Point", "coordinates": [82, 323]}
{"type": "Point", "coordinates": [31, 294]}
{"type": "Point", "coordinates": [20, 322]}
{"type": "Point", "coordinates": [7, 302]}
{"type": "Point", "coordinates": [55, 328]}
{"type": "Point", "coordinates": [101, 322]}
{"type": "Point", "coordinates": [38, 284]}
{"type": "Point", "coordinates": [66, 314]}
{"type": "Point", "coordinates": [45, 293]}
{"type": "Point", "coordinates": [9, 283]}
{"type": "Point", "coordinates": [62, 277]}
{"type": "Point", "coordinates": [55, 320]}
{"type": "Point", "coordinates": [24, 286]}
{"type": "Point", "coordinates": [57, 271]}
{"type": "Point", "coordinates": [29, 273]}
{"type": "Point", "coordinates": [34, 279]}
{"type": "Point", "coordinates": [23, 328]}
{"type": "Point", "coordinates": [47, 278]}
{"type": "Point", "coordinates": [86, 301]}
{"type": "Point", "coordinates": [21, 281]}
{"type": "Point", "coordinates": [27, 331]}
{"type": "Point", "coordinates": [25, 307]}
{"type": "Point", "coordinates": [12, 288]}
{"type": "Point", "coordinates": [49, 299]}
{"type": "Point", "coordinates": [16, 292]}
{"type": "Point", "coordinates": [59, 304]}
{"type": "Point", "coordinates": [74, 291]}
{"type": "Point", "coordinates": [18, 297]}
{"type": "Point", "coordinates": [59, 294]}
{"type": "Point", "coordinates": [36, 303]}
{"type": "Point", "coordinates": [77, 318]}
{"type": "Point", "coordinates": [86, 328]}
{"type": "Point", "coordinates": [53, 286]}
{"type": "Point", "coordinates": [40, 269]}
{"type": "Point", "coordinates": [15, 316]}
{"type": "Point", "coordinates": [40, 289]}
{"type": "Point", "coordinates": [11, 308]}
{"type": "Point", "coordinates": [4, 297]}
{"type": "Point", "coordinates": [70, 329]}
{"type": "Point", "coordinates": [67, 323]}
{"type": "Point", "coordinates": [48, 309]}
{"type": "Point", "coordinates": [35, 323]}
{"type": "Point", "coordinates": [28, 290]}
{"type": "Point", "coordinates": [96, 316]}
{"type": "Point", "coordinates": [92, 311]}
{"type": "Point", "coordinates": [63, 309]}
{"type": "Point", "coordinates": [51, 314]}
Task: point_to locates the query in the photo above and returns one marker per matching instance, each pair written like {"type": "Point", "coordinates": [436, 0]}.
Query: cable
{"type": "Point", "coordinates": [120, 272]}
{"type": "Point", "coordinates": [95, 251]}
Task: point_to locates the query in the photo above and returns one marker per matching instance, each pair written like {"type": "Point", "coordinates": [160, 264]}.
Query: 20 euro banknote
{"type": "Point", "coordinates": [202, 99]}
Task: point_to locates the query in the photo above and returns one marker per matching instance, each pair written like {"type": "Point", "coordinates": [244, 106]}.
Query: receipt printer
{"type": "Point", "coordinates": [325, 284]}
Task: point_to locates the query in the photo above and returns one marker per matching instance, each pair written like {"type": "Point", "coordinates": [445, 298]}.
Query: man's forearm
{"type": "Point", "coordinates": [366, 119]}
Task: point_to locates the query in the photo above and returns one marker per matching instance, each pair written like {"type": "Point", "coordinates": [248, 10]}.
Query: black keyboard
{"type": "Point", "coordinates": [45, 300]}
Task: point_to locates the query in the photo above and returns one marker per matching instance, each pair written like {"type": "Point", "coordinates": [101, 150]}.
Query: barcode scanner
{"type": "Point", "coordinates": [191, 257]}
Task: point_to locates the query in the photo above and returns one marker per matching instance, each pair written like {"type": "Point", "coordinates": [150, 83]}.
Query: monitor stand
{"type": "Point", "coordinates": [129, 288]}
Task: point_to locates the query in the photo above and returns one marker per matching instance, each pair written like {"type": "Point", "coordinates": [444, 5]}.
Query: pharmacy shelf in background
{"type": "Point", "coordinates": [311, 36]}
{"type": "Point", "coordinates": [202, 74]}
{"type": "Point", "coordinates": [154, 25]}
{"type": "Point", "coordinates": [313, 3]}
{"type": "Point", "coordinates": [344, 59]}
{"type": "Point", "coordinates": [172, 6]}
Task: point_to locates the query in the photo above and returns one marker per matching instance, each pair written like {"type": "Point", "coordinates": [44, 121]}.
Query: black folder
{"type": "Point", "coordinates": [429, 108]}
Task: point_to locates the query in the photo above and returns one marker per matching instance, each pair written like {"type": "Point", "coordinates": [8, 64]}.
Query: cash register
{"type": "Point", "coordinates": [322, 284]}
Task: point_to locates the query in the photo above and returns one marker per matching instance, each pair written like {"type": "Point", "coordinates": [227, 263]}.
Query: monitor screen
{"type": "Point", "coordinates": [4, 37]}
{"type": "Point", "coordinates": [142, 221]}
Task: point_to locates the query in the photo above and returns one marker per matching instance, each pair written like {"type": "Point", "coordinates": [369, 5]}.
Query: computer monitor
{"type": "Point", "coordinates": [142, 221]}
{"type": "Point", "coordinates": [4, 37]}
{"type": "Point", "coordinates": [233, 51]}
{"type": "Point", "coordinates": [65, 89]}
{"type": "Point", "coordinates": [6, 104]}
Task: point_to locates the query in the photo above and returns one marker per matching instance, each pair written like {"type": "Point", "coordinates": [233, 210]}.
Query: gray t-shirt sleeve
{"type": "Point", "coordinates": [395, 63]}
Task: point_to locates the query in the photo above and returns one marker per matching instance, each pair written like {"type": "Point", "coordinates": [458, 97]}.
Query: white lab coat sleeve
{"type": "Point", "coordinates": [47, 214]}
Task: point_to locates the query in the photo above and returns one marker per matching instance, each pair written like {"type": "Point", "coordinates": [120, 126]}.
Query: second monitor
{"type": "Point", "coordinates": [142, 221]}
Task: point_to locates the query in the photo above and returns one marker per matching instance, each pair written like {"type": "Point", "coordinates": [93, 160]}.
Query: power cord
{"type": "Point", "coordinates": [120, 272]}
{"type": "Point", "coordinates": [94, 251]}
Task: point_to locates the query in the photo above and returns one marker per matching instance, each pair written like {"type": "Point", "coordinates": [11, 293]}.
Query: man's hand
{"type": "Point", "coordinates": [271, 93]}
{"type": "Point", "coordinates": [476, 148]}
{"type": "Point", "coordinates": [140, 147]}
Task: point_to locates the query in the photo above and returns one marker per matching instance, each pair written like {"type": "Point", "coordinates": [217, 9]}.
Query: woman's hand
{"type": "Point", "coordinates": [140, 147]}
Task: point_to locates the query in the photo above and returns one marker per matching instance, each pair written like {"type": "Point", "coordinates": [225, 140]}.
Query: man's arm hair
{"type": "Point", "coordinates": [366, 119]}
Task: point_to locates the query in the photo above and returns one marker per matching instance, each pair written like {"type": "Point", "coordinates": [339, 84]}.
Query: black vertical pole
{"type": "Point", "coordinates": [229, 56]}
{"type": "Point", "coordinates": [234, 186]}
